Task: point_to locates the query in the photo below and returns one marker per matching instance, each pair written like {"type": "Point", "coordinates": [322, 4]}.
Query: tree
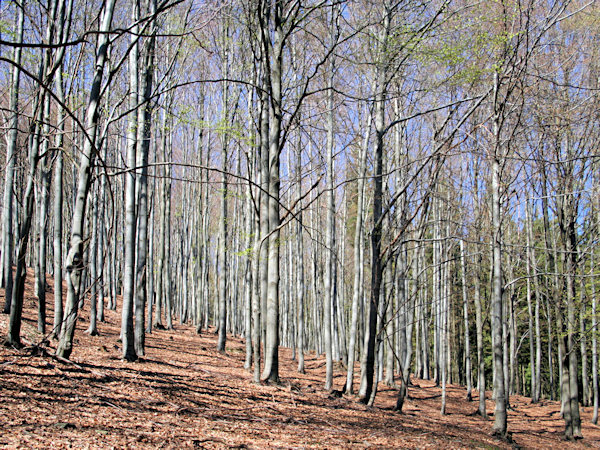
{"type": "Point", "coordinates": [74, 262]}
{"type": "Point", "coordinates": [49, 63]}
{"type": "Point", "coordinates": [7, 210]}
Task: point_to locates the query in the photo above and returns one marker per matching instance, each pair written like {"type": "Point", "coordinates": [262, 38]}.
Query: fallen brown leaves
{"type": "Point", "coordinates": [185, 394]}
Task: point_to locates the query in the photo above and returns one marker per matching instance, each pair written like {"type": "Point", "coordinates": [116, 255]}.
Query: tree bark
{"type": "Point", "coordinates": [594, 346]}
{"type": "Point", "coordinates": [368, 359]}
{"type": "Point", "coordinates": [143, 137]}
{"type": "Point", "coordinates": [357, 291]}
{"type": "Point", "coordinates": [468, 375]}
{"type": "Point", "coordinates": [129, 240]}
{"type": "Point", "coordinates": [8, 200]}
{"type": "Point", "coordinates": [497, 294]}
{"type": "Point", "coordinates": [329, 240]}
{"type": "Point", "coordinates": [57, 213]}
{"type": "Point", "coordinates": [74, 262]}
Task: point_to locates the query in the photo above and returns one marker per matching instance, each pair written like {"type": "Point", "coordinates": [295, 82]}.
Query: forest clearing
{"type": "Point", "coordinates": [185, 394]}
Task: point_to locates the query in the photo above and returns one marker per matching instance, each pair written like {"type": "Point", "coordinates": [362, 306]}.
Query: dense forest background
{"type": "Point", "coordinates": [412, 185]}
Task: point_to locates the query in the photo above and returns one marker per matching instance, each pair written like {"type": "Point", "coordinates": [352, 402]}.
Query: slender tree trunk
{"type": "Point", "coordinates": [274, 40]}
{"type": "Point", "coordinates": [466, 322]}
{"type": "Point", "coordinates": [300, 263]}
{"type": "Point", "coordinates": [248, 272]}
{"type": "Point", "coordinates": [357, 290]}
{"type": "Point", "coordinates": [262, 237]}
{"type": "Point", "coordinates": [92, 251]}
{"type": "Point", "coordinates": [368, 357]}
{"type": "Point", "coordinates": [532, 266]}
{"type": "Point", "coordinates": [594, 344]}
{"type": "Point", "coordinates": [74, 262]}
{"type": "Point", "coordinates": [64, 17]}
{"type": "Point", "coordinates": [11, 155]}
{"type": "Point", "coordinates": [224, 243]}
{"type": "Point", "coordinates": [44, 203]}
{"type": "Point", "coordinates": [129, 240]}
{"type": "Point", "coordinates": [497, 294]}
{"type": "Point", "coordinates": [143, 129]}
{"type": "Point", "coordinates": [329, 241]}
{"type": "Point", "coordinates": [57, 212]}
{"type": "Point", "coordinates": [150, 263]}
{"type": "Point", "coordinates": [570, 265]}
{"type": "Point", "coordinates": [41, 110]}
{"type": "Point", "coordinates": [16, 309]}
{"type": "Point", "coordinates": [167, 264]}
{"type": "Point", "coordinates": [584, 358]}
{"type": "Point", "coordinates": [532, 360]}
{"type": "Point", "coordinates": [271, 368]}
{"type": "Point", "coordinates": [426, 318]}
{"type": "Point", "coordinates": [162, 201]}
{"type": "Point", "coordinates": [251, 230]}
{"type": "Point", "coordinates": [444, 334]}
{"type": "Point", "coordinates": [479, 326]}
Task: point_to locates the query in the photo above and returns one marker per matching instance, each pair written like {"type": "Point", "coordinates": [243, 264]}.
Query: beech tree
{"type": "Point", "coordinates": [74, 261]}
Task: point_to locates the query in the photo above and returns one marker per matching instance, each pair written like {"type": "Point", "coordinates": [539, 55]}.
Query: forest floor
{"type": "Point", "coordinates": [185, 394]}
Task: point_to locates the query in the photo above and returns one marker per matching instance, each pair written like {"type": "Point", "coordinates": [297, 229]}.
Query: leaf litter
{"type": "Point", "coordinates": [185, 394]}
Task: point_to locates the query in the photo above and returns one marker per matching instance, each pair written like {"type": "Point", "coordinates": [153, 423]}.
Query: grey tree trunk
{"type": "Point", "coordinates": [532, 360]}
{"type": "Point", "coordinates": [57, 212]}
{"type": "Point", "coordinates": [357, 291]}
{"type": "Point", "coordinates": [568, 230]}
{"type": "Point", "coordinates": [259, 312]}
{"type": "Point", "coordinates": [143, 129]}
{"type": "Point", "coordinates": [64, 17]}
{"type": "Point", "coordinates": [271, 367]}
{"type": "Point", "coordinates": [479, 326]}
{"type": "Point", "coordinates": [8, 199]}
{"type": "Point", "coordinates": [300, 264]}
{"type": "Point", "coordinates": [150, 263]}
{"type": "Point", "coordinates": [162, 200]}
{"type": "Point", "coordinates": [223, 248]}
{"type": "Point", "coordinates": [74, 261]}
{"type": "Point", "coordinates": [329, 240]}
{"type": "Point", "coordinates": [129, 240]}
{"type": "Point", "coordinates": [444, 334]}
{"type": "Point", "coordinates": [594, 345]}
{"type": "Point", "coordinates": [100, 244]}
{"type": "Point", "coordinates": [532, 267]}
{"type": "Point", "coordinates": [586, 397]}
{"type": "Point", "coordinates": [394, 307]}
{"type": "Point", "coordinates": [499, 427]}
{"type": "Point", "coordinates": [274, 40]}
{"type": "Point", "coordinates": [167, 263]}
{"type": "Point", "coordinates": [41, 110]}
{"type": "Point", "coordinates": [249, 222]}
{"type": "Point", "coordinates": [92, 252]}
{"type": "Point", "coordinates": [368, 357]}
{"type": "Point", "coordinates": [469, 376]}
{"type": "Point", "coordinates": [550, 268]}
{"type": "Point", "coordinates": [112, 305]}
{"type": "Point", "coordinates": [340, 292]}
{"type": "Point", "coordinates": [426, 319]}
{"type": "Point", "coordinates": [44, 204]}
{"type": "Point", "coordinates": [248, 272]}
{"type": "Point", "coordinates": [223, 259]}
{"type": "Point", "coordinates": [16, 304]}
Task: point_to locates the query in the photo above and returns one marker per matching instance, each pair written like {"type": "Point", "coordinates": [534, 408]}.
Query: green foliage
{"type": "Point", "coordinates": [227, 128]}
{"type": "Point", "coordinates": [7, 30]}
{"type": "Point", "coordinates": [247, 252]}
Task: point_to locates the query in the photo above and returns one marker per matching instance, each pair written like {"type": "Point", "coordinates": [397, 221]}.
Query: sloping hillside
{"type": "Point", "coordinates": [184, 394]}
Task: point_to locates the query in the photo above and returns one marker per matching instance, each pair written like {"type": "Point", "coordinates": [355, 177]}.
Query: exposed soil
{"type": "Point", "coordinates": [184, 394]}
